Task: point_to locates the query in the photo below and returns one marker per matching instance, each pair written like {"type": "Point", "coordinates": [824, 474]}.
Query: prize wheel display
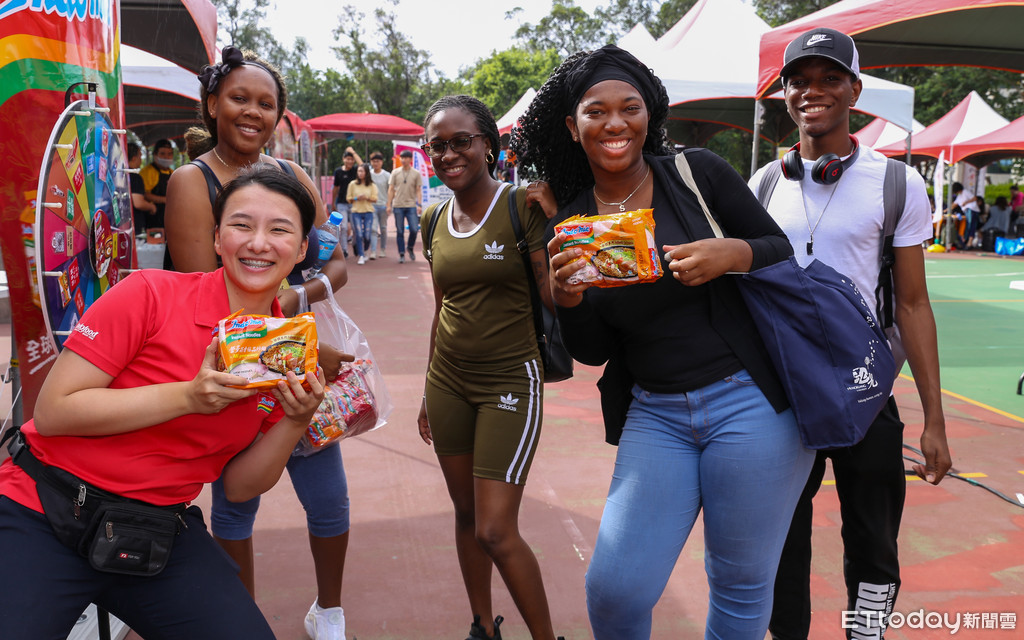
{"type": "Point", "coordinates": [84, 237]}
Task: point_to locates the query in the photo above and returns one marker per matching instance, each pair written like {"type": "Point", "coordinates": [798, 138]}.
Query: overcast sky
{"type": "Point", "coordinates": [457, 32]}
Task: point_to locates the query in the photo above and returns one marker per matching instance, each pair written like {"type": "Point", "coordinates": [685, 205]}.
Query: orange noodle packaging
{"type": "Point", "coordinates": [262, 349]}
{"type": "Point", "coordinates": [618, 248]}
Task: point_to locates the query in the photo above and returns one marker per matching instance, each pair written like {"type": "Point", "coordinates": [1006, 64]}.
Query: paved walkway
{"type": "Point", "coordinates": [962, 547]}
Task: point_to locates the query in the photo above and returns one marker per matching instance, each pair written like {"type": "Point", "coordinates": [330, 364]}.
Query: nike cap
{"type": "Point", "coordinates": [822, 43]}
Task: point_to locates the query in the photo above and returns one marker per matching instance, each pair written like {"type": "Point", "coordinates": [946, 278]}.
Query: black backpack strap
{"type": "Point", "coordinates": [287, 168]}
{"type": "Point", "coordinates": [768, 181]}
{"type": "Point", "coordinates": [433, 213]}
{"type": "Point", "coordinates": [212, 183]}
{"type": "Point", "coordinates": [894, 199]}
{"type": "Point", "coordinates": [523, 247]}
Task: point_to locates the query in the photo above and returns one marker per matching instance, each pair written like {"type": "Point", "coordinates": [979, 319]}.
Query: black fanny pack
{"type": "Point", "coordinates": [116, 534]}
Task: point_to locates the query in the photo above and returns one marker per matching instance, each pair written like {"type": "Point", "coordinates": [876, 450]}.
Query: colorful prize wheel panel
{"type": "Point", "coordinates": [84, 236]}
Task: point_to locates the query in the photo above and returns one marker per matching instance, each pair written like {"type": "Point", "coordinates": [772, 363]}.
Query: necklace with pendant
{"type": "Point", "coordinates": [231, 166]}
{"type": "Point", "coordinates": [810, 229]}
{"type": "Point", "coordinates": [622, 205]}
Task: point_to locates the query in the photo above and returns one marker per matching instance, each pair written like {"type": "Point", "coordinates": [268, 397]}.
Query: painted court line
{"type": "Point", "coordinates": [974, 402]}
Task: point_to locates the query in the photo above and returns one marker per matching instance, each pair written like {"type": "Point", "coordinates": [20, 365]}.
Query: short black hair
{"type": "Point", "coordinates": [131, 150]}
{"type": "Point", "coordinates": [275, 180]}
{"type": "Point", "coordinates": [376, 155]}
{"type": "Point", "coordinates": [481, 114]}
{"type": "Point", "coordinates": [162, 143]}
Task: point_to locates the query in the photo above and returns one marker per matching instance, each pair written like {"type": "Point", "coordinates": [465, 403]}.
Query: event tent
{"type": "Point", "coordinates": [365, 126]}
{"type": "Point", "coordinates": [1006, 142]}
{"type": "Point", "coordinates": [511, 117]}
{"type": "Point", "coordinates": [969, 119]}
{"type": "Point", "coordinates": [160, 98]}
{"type": "Point", "coordinates": [978, 33]}
{"type": "Point", "coordinates": [719, 91]}
{"type": "Point", "coordinates": [181, 31]}
{"type": "Point", "coordinates": [880, 132]}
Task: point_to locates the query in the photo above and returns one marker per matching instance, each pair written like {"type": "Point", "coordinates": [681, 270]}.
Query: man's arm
{"type": "Point", "coordinates": [917, 329]}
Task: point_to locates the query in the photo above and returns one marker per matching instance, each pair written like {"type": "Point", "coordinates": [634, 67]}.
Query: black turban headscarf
{"type": "Point", "coordinates": [610, 63]}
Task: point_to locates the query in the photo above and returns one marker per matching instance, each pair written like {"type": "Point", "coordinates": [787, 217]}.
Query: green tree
{"type": "Point", "coordinates": [501, 79]}
{"type": "Point", "coordinates": [567, 29]}
{"type": "Point", "coordinates": [240, 23]}
{"type": "Point", "coordinates": [776, 12]}
{"type": "Point", "coordinates": [668, 14]}
{"type": "Point", "coordinates": [390, 74]}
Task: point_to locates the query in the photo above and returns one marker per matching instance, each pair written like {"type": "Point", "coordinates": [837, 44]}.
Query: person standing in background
{"type": "Point", "coordinates": [405, 198]}
{"type": "Point", "coordinates": [380, 177]}
{"type": "Point", "coordinates": [839, 221]}
{"type": "Point", "coordinates": [155, 177]}
{"type": "Point", "coordinates": [140, 206]}
{"type": "Point", "coordinates": [361, 196]}
{"type": "Point", "coordinates": [343, 175]}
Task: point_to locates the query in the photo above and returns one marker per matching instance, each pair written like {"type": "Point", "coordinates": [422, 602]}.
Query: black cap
{"type": "Point", "coordinates": [822, 43]}
{"type": "Point", "coordinates": [405, 153]}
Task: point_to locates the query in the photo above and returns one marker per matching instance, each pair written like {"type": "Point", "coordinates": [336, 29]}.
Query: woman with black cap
{"type": "Point", "coordinates": [703, 423]}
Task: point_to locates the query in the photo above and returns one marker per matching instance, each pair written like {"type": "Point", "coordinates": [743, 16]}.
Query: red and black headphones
{"type": "Point", "coordinates": [826, 170]}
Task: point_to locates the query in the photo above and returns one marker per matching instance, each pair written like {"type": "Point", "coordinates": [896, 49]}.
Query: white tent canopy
{"type": "Point", "coordinates": [712, 54]}
{"type": "Point", "coordinates": [507, 121]}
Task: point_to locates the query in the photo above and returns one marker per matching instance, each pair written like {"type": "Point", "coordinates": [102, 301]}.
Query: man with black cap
{"type": "Point", "coordinates": [831, 204]}
{"type": "Point", "coordinates": [405, 198]}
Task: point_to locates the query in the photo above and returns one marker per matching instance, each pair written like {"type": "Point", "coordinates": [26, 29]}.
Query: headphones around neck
{"type": "Point", "coordinates": [826, 170]}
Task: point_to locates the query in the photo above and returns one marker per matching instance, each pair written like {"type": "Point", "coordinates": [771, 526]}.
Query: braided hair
{"type": "Point", "coordinates": [542, 141]}
{"type": "Point", "coordinates": [199, 140]}
{"type": "Point", "coordinates": [481, 114]}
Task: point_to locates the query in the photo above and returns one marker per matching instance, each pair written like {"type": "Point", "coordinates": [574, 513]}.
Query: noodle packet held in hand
{"type": "Point", "coordinates": [262, 349]}
{"type": "Point", "coordinates": [618, 248]}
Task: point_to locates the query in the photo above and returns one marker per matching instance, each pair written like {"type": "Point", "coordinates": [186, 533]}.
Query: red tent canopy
{"type": "Point", "coordinates": [365, 126]}
{"type": "Point", "coordinates": [888, 33]}
{"type": "Point", "coordinates": [969, 119]}
{"type": "Point", "coordinates": [1007, 142]}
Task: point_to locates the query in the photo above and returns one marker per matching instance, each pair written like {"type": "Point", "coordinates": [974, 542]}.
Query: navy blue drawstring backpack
{"type": "Point", "coordinates": [831, 355]}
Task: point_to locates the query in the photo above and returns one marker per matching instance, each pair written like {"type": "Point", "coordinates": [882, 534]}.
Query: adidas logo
{"type": "Point", "coordinates": [817, 39]}
{"type": "Point", "coordinates": [508, 403]}
{"type": "Point", "coordinates": [494, 251]}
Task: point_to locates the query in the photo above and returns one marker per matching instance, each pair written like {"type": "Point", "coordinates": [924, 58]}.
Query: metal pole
{"type": "Point", "coordinates": [758, 113]}
{"type": "Point", "coordinates": [17, 408]}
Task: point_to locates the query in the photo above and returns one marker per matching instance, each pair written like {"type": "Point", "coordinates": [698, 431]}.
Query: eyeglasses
{"type": "Point", "coordinates": [458, 144]}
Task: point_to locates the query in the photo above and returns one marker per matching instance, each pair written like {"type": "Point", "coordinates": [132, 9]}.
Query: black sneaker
{"type": "Point", "coordinates": [477, 632]}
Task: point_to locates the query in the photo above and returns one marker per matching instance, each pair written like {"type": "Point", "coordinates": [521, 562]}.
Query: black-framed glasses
{"type": "Point", "coordinates": [458, 144]}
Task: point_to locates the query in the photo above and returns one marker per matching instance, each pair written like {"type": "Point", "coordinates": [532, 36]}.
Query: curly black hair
{"type": "Point", "coordinates": [481, 114]}
{"type": "Point", "coordinates": [199, 140]}
{"type": "Point", "coordinates": [542, 141]}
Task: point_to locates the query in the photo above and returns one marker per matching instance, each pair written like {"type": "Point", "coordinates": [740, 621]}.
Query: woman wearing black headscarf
{"type": "Point", "coordinates": [703, 423]}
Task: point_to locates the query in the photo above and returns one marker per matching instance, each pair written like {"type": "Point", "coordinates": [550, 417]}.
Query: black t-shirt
{"type": "Point", "coordinates": [342, 177]}
{"type": "Point", "coordinates": [136, 185]}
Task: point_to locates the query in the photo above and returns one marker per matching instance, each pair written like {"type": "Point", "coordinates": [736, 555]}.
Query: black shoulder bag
{"type": "Point", "coordinates": [116, 534]}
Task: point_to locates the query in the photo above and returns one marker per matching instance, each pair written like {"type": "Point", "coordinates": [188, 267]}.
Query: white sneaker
{"type": "Point", "coordinates": [325, 624]}
{"type": "Point", "coordinates": [362, 260]}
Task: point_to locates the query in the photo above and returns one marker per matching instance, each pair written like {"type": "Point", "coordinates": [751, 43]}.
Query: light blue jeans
{"type": "Point", "coordinates": [319, 482]}
{"type": "Point", "coordinates": [722, 449]}
{"type": "Point", "coordinates": [379, 237]}
{"type": "Point", "coordinates": [362, 229]}
{"type": "Point", "coordinates": [403, 215]}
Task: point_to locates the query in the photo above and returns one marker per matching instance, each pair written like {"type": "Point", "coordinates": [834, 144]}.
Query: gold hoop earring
{"type": "Point", "coordinates": [490, 157]}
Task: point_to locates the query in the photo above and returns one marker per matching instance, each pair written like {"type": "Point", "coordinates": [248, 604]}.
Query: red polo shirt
{"type": "Point", "coordinates": [152, 327]}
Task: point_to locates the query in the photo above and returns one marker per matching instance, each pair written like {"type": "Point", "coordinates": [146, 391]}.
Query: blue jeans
{"type": "Point", "coordinates": [722, 449]}
{"type": "Point", "coordinates": [380, 226]}
{"type": "Point", "coordinates": [362, 229]}
{"type": "Point", "coordinates": [345, 209]}
{"type": "Point", "coordinates": [402, 215]}
{"type": "Point", "coordinates": [46, 585]}
{"type": "Point", "coordinates": [319, 482]}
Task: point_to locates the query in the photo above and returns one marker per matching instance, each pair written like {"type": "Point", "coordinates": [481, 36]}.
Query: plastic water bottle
{"type": "Point", "coordinates": [329, 234]}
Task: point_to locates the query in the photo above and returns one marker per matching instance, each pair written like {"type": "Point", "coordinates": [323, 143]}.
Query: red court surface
{"type": "Point", "coordinates": [962, 547]}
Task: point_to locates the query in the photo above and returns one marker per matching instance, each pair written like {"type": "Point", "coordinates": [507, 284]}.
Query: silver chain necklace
{"type": "Point", "coordinates": [242, 166]}
{"type": "Point", "coordinates": [810, 229]}
{"type": "Point", "coordinates": [622, 205]}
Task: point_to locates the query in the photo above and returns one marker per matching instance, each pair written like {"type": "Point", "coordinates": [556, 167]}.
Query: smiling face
{"type": "Point", "coordinates": [610, 123]}
{"type": "Point", "coordinates": [245, 108]}
{"type": "Point", "coordinates": [819, 94]}
{"type": "Point", "coordinates": [260, 241]}
{"type": "Point", "coordinates": [361, 174]}
{"type": "Point", "coordinates": [463, 169]}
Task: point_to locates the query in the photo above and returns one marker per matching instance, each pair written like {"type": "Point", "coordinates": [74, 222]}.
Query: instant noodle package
{"type": "Point", "coordinates": [348, 409]}
{"type": "Point", "coordinates": [262, 349]}
{"type": "Point", "coordinates": [619, 248]}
